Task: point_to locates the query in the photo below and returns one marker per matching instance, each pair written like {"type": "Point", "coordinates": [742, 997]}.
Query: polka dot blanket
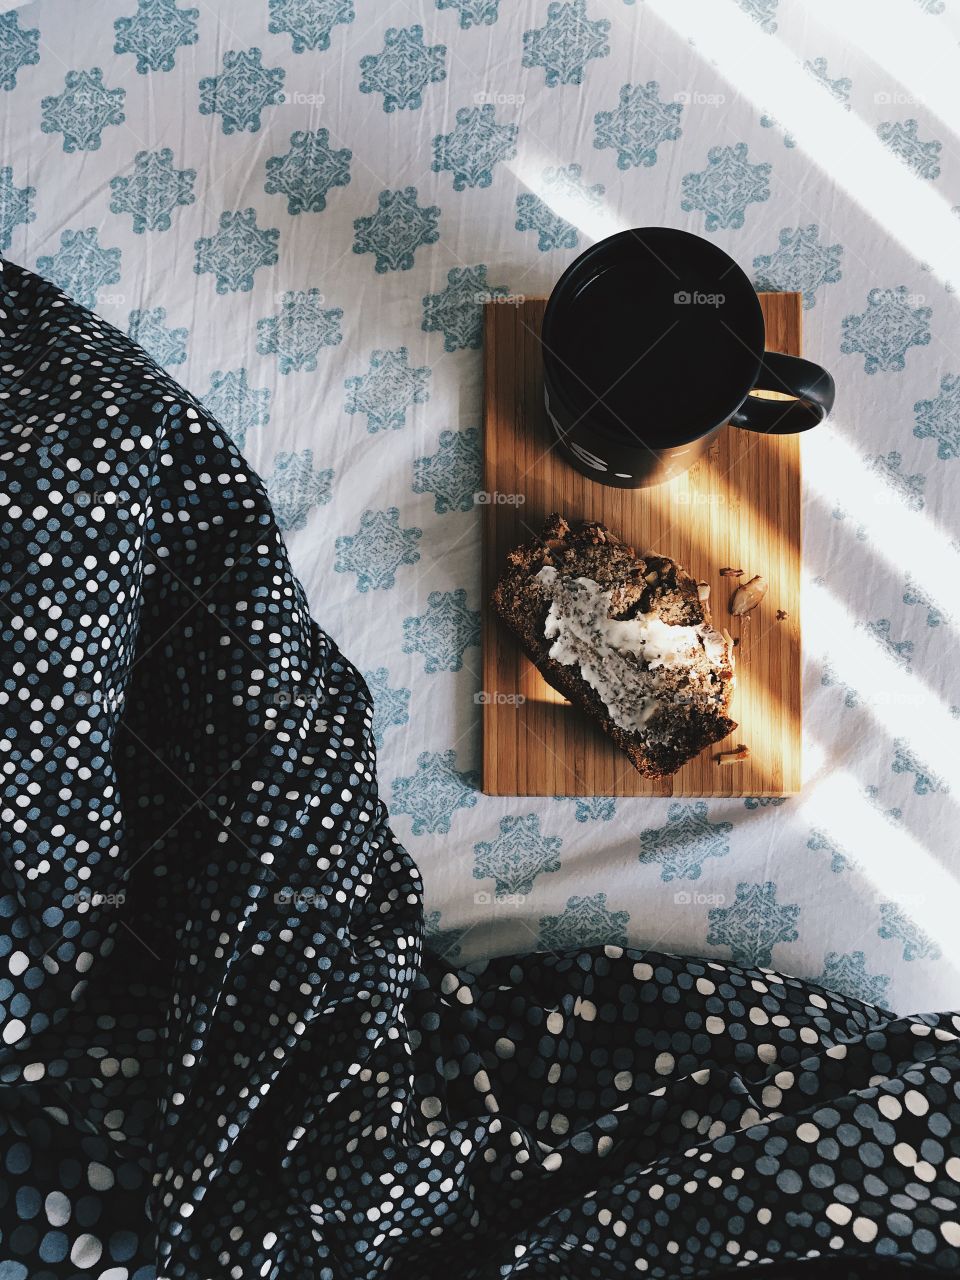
{"type": "Point", "coordinates": [223, 1051]}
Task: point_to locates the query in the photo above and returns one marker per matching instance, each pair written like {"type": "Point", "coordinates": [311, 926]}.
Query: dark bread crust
{"type": "Point", "coordinates": [591, 551]}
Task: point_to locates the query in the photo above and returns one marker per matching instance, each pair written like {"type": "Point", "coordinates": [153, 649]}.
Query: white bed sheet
{"type": "Point", "coordinates": [506, 143]}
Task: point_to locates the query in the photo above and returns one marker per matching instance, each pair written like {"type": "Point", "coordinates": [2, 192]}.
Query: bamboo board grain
{"type": "Point", "coordinates": [738, 507]}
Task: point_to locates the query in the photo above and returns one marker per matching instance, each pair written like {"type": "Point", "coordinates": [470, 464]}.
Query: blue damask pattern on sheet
{"type": "Point", "coordinates": [236, 405]}
{"type": "Point", "coordinates": [308, 171]}
{"type": "Point", "coordinates": [535, 213]}
{"type": "Point", "coordinates": [724, 189]}
{"type": "Point", "coordinates": [914, 594]}
{"type": "Point", "coordinates": [84, 109]}
{"type": "Point", "coordinates": [167, 344]}
{"type": "Point", "coordinates": [153, 191]}
{"type": "Point", "coordinates": [433, 794]}
{"type": "Point", "coordinates": [387, 390]}
{"type": "Point", "coordinates": [768, 121]}
{"type": "Point", "coordinates": [596, 809]}
{"type": "Point", "coordinates": [566, 42]}
{"type": "Point", "coordinates": [16, 206]}
{"type": "Point", "coordinates": [637, 127]}
{"type": "Point", "coordinates": [686, 841]}
{"type": "Point", "coordinates": [821, 843]}
{"type": "Point", "coordinates": [404, 68]}
{"type": "Point", "coordinates": [897, 925]}
{"type": "Point", "coordinates": [81, 266]}
{"type": "Point", "coordinates": [237, 250]}
{"type": "Point", "coordinates": [397, 229]}
{"type": "Point", "coordinates": [241, 91]}
{"type": "Point", "coordinates": [872, 793]}
{"type": "Point", "coordinates": [301, 329]}
{"type": "Point", "coordinates": [885, 331]}
{"type": "Point", "coordinates": [391, 705]}
{"type": "Point", "coordinates": [754, 924]}
{"type": "Point", "coordinates": [925, 781]}
{"type": "Point", "coordinates": [518, 854]}
{"type": "Point", "coordinates": [902, 139]}
{"type": "Point", "coordinates": [296, 486]}
{"type": "Point", "coordinates": [908, 486]}
{"type": "Point", "coordinates": [939, 419]}
{"type": "Point", "coordinates": [19, 48]}
{"type": "Point", "coordinates": [800, 262]}
{"type": "Point", "coordinates": [445, 632]}
{"type": "Point", "coordinates": [838, 86]}
{"type": "Point", "coordinates": [848, 973]}
{"type": "Point", "coordinates": [473, 12]}
{"type": "Point", "coordinates": [155, 33]}
{"type": "Point", "coordinates": [474, 147]}
{"type": "Point", "coordinates": [763, 12]}
{"type": "Point", "coordinates": [584, 922]}
{"type": "Point", "coordinates": [309, 23]}
{"type": "Point", "coordinates": [452, 474]}
{"type": "Point", "coordinates": [377, 550]}
{"type": "Point", "coordinates": [456, 310]}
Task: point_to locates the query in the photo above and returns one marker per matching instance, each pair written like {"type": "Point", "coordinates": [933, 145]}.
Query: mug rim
{"type": "Point", "coordinates": [554, 369]}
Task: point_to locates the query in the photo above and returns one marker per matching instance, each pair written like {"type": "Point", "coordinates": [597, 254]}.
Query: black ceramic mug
{"type": "Point", "coordinates": [652, 340]}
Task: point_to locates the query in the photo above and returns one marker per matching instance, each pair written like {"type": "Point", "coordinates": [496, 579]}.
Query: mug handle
{"type": "Point", "coordinates": [811, 386]}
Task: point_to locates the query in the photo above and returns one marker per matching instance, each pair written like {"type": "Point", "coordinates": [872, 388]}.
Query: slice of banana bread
{"type": "Point", "coordinates": [626, 638]}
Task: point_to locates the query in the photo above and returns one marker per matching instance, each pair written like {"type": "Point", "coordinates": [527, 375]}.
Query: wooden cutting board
{"type": "Point", "coordinates": [738, 507]}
